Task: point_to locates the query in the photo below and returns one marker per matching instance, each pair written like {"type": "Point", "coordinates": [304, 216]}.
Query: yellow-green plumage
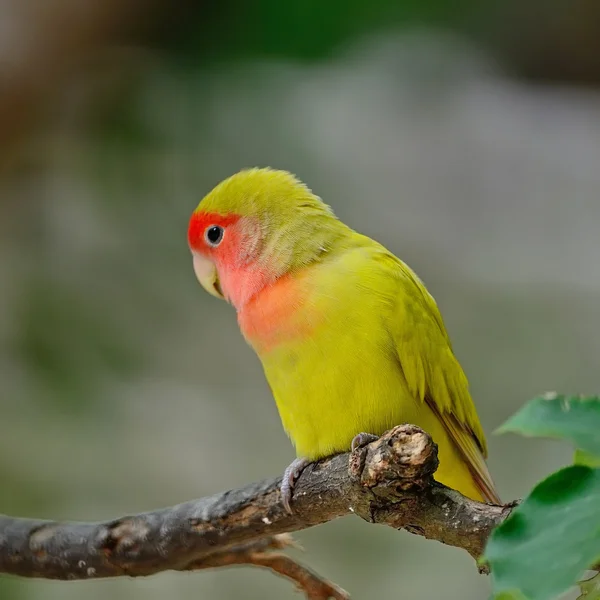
{"type": "Point", "coordinates": [349, 338]}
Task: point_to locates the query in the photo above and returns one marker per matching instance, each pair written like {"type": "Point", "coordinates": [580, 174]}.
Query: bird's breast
{"type": "Point", "coordinates": [280, 314]}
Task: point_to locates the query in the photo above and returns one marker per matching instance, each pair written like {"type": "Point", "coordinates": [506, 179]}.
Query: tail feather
{"type": "Point", "coordinates": [466, 443]}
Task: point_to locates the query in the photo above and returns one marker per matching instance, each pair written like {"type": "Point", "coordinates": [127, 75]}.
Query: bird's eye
{"type": "Point", "coordinates": [214, 235]}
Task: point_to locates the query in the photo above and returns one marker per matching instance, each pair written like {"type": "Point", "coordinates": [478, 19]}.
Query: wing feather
{"type": "Point", "coordinates": [435, 376]}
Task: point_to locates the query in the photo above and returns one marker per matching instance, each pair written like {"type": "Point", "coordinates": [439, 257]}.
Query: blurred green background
{"type": "Point", "coordinates": [464, 136]}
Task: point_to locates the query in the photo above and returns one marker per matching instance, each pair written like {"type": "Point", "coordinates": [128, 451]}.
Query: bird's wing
{"type": "Point", "coordinates": [435, 376]}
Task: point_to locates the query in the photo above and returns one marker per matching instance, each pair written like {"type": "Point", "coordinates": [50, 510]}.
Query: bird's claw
{"type": "Point", "coordinates": [362, 439]}
{"type": "Point", "coordinates": [290, 476]}
{"type": "Point", "coordinates": [294, 470]}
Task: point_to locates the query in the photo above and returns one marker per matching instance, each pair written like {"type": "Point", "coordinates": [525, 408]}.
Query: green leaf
{"type": "Point", "coordinates": [590, 588]}
{"type": "Point", "coordinates": [585, 458]}
{"type": "Point", "coordinates": [551, 538]}
{"type": "Point", "coordinates": [572, 418]}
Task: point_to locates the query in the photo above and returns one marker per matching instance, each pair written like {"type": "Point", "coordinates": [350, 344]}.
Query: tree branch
{"type": "Point", "coordinates": [259, 553]}
{"type": "Point", "coordinates": [389, 481]}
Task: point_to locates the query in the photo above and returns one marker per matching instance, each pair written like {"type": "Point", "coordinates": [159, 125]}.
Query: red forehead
{"type": "Point", "coordinates": [199, 221]}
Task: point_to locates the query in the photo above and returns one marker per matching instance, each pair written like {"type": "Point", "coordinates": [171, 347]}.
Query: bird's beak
{"type": "Point", "coordinates": [207, 275]}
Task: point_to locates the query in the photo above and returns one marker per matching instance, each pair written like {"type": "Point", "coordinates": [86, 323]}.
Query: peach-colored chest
{"type": "Point", "coordinates": [279, 314]}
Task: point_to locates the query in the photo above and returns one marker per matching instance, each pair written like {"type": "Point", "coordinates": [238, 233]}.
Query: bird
{"type": "Point", "coordinates": [350, 340]}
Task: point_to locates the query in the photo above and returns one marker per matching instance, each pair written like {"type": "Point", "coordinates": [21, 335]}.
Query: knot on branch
{"type": "Point", "coordinates": [403, 458]}
{"type": "Point", "coordinates": [124, 536]}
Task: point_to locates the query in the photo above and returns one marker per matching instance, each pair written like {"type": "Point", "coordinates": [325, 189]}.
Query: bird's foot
{"type": "Point", "coordinates": [362, 439]}
{"type": "Point", "coordinates": [290, 476]}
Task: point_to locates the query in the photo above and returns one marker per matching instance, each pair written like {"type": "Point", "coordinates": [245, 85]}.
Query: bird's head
{"type": "Point", "coordinates": [254, 227]}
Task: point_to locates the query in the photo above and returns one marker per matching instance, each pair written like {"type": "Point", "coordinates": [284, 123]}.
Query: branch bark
{"type": "Point", "coordinates": [389, 482]}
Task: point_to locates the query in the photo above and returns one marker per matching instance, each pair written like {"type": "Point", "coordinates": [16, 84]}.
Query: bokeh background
{"type": "Point", "coordinates": [465, 136]}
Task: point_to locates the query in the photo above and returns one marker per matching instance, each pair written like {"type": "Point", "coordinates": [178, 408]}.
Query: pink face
{"type": "Point", "coordinates": [224, 250]}
{"type": "Point", "coordinates": [212, 240]}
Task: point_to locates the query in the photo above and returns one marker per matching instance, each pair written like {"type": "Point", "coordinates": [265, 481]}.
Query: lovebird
{"type": "Point", "coordinates": [350, 340]}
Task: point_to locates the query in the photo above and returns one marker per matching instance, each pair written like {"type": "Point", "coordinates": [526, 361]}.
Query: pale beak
{"type": "Point", "coordinates": [207, 275]}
